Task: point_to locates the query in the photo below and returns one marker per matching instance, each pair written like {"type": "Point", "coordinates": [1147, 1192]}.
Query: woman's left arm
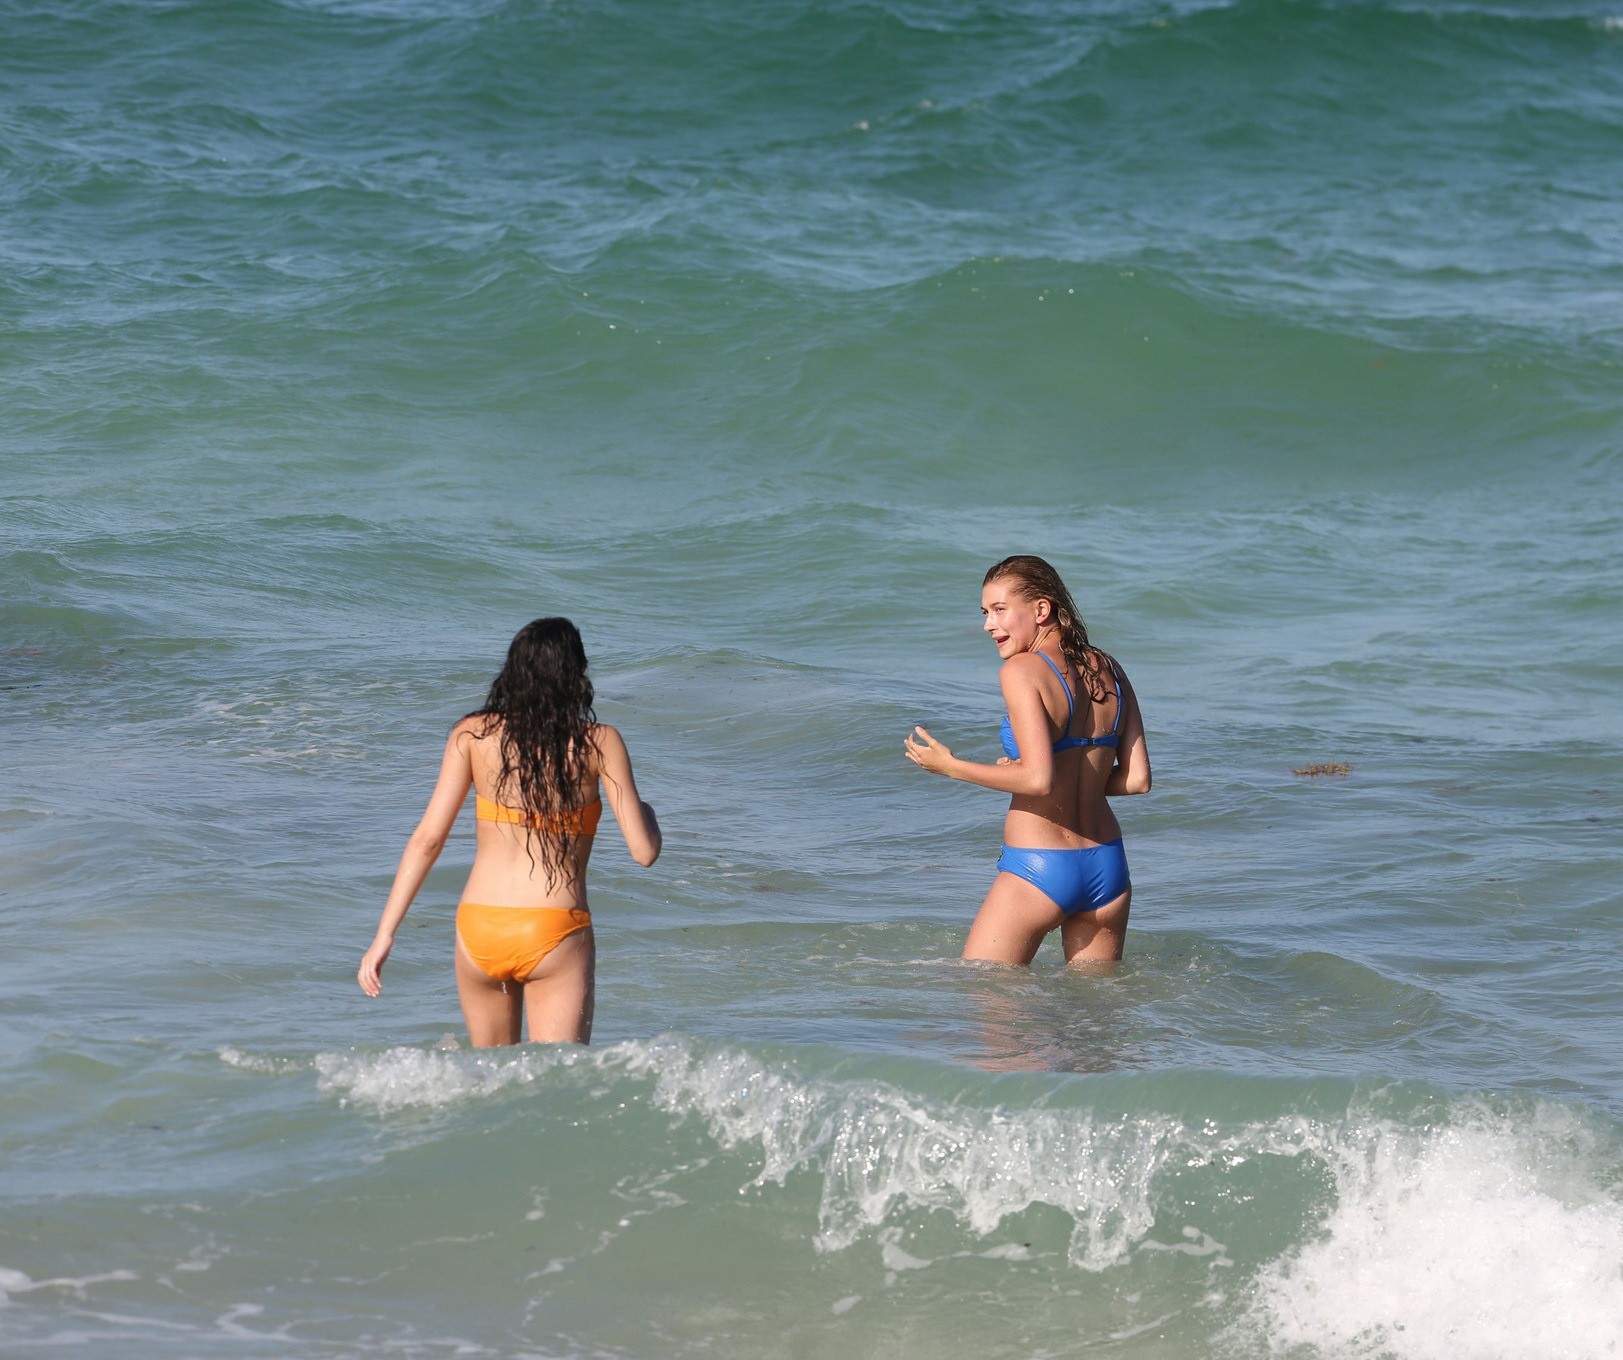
{"type": "Point", "coordinates": [1132, 771]}
{"type": "Point", "coordinates": [422, 850]}
{"type": "Point", "coordinates": [636, 819]}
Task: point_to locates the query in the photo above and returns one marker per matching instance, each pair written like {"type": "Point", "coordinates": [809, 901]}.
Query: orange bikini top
{"type": "Point", "coordinates": [581, 821]}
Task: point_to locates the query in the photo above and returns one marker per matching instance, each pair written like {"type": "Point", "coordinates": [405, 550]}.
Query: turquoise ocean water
{"type": "Point", "coordinates": [339, 339]}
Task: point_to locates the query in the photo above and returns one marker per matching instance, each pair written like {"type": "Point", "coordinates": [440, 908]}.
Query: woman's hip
{"type": "Point", "coordinates": [1078, 878]}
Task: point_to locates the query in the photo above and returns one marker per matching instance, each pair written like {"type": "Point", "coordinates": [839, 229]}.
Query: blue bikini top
{"type": "Point", "coordinates": [1011, 748]}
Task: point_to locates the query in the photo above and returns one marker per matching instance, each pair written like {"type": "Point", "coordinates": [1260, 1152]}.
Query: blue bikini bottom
{"type": "Point", "coordinates": [1074, 880]}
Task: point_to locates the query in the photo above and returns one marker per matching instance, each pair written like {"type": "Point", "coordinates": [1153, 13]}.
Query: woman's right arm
{"type": "Point", "coordinates": [450, 792]}
{"type": "Point", "coordinates": [1031, 776]}
{"type": "Point", "coordinates": [1132, 771]}
{"type": "Point", "coordinates": [635, 818]}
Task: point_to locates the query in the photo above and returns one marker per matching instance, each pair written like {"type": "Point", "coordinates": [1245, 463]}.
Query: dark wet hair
{"type": "Point", "coordinates": [1034, 579]}
{"type": "Point", "coordinates": [542, 702]}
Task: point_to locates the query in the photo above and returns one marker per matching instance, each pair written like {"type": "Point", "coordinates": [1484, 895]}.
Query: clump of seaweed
{"type": "Point", "coordinates": [1338, 768]}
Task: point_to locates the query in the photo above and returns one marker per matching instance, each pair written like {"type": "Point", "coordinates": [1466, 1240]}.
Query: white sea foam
{"type": "Point", "coordinates": [414, 1079]}
{"type": "Point", "coordinates": [1477, 1240]}
{"type": "Point", "coordinates": [17, 1282]}
{"type": "Point", "coordinates": [257, 1062]}
{"type": "Point", "coordinates": [881, 1152]}
{"type": "Point", "coordinates": [1488, 1234]}
{"type": "Point", "coordinates": [1485, 1236]}
{"type": "Point", "coordinates": [12, 1282]}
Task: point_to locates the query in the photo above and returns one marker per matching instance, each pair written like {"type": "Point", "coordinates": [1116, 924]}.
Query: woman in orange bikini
{"type": "Point", "coordinates": [535, 757]}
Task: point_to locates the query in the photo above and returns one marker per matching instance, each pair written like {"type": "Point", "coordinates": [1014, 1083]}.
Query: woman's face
{"type": "Point", "coordinates": [1012, 621]}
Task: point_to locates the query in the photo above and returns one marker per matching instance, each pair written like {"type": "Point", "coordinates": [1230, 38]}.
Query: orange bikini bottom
{"type": "Point", "coordinates": [508, 942]}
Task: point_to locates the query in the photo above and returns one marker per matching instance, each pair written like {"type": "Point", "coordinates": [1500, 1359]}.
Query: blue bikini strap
{"type": "Point", "coordinates": [1070, 705]}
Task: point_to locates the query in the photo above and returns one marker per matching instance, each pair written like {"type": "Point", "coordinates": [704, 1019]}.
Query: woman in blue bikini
{"type": "Point", "coordinates": [1073, 739]}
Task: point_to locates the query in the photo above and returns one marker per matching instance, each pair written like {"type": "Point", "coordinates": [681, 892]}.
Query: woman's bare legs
{"type": "Point", "coordinates": [490, 1009]}
{"type": "Point", "coordinates": [1011, 922]}
{"type": "Point", "coordinates": [559, 994]}
{"type": "Point", "coordinates": [556, 998]}
{"type": "Point", "coordinates": [1016, 915]}
{"type": "Point", "coordinates": [1097, 936]}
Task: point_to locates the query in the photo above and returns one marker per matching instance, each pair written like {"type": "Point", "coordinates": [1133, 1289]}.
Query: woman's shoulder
{"type": "Point", "coordinates": [1112, 674]}
{"type": "Point", "coordinates": [475, 727]}
{"type": "Point", "coordinates": [1107, 665]}
{"type": "Point", "coordinates": [603, 736]}
{"type": "Point", "coordinates": [607, 747]}
{"type": "Point", "coordinates": [1026, 669]}
{"type": "Point", "coordinates": [1023, 664]}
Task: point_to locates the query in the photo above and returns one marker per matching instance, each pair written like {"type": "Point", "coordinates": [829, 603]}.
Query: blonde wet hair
{"type": "Point", "coordinates": [1034, 578]}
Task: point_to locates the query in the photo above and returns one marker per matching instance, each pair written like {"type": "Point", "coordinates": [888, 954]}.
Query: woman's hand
{"type": "Point", "coordinates": [927, 753]}
{"type": "Point", "coordinates": [370, 973]}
